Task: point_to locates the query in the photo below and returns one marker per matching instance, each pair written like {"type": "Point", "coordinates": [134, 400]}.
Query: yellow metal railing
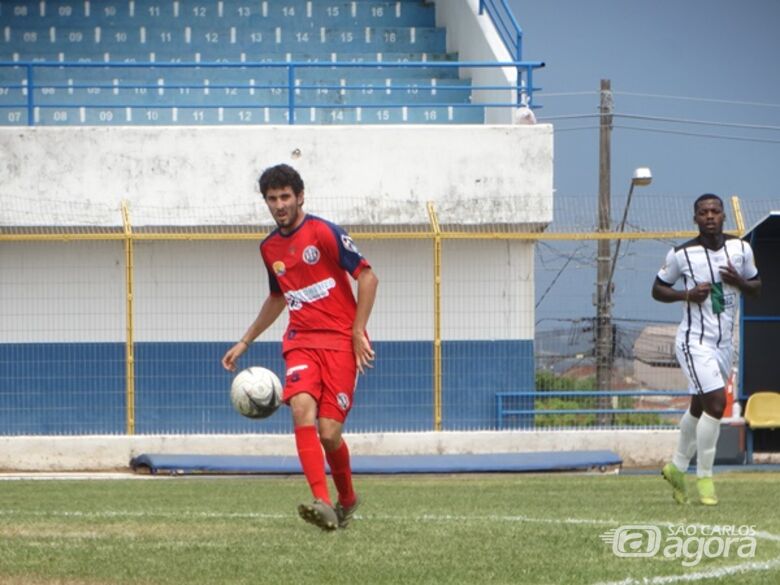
{"type": "Point", "coordinates": [435, 234]}
{"type": "Point", "coordinates": [129, 321]}
{"type": "Point", "coordinates": [437, 367]}
{"type": "Point", "coordinates": [737, 208]}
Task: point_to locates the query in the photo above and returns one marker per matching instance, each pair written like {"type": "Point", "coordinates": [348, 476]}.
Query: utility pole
{"type": "Point", "coordinates": [603, 298]}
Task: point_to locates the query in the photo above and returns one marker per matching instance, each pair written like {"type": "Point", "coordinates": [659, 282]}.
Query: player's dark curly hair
{"type": "Point", "coordinates": [705, 197]}
{"type": "Point", "coordinates": [279, 177]}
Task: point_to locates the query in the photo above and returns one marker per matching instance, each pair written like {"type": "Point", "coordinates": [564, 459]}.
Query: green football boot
{"type": "Point", "coordinates": [676, 479]}
{"type": "Point", "coordinates": [707, 491]}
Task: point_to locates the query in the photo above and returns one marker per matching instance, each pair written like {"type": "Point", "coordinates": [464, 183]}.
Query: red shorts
{"type": "Point", "coordinates": [329, 376]}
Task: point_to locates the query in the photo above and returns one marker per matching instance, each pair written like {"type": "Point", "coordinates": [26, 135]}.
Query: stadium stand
{"type": "Point", "coordinates": [218, 62]}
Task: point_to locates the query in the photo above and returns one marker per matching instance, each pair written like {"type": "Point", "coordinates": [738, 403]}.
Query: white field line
{"type": "Point", "coordinates": [699, 575]}
{"type": "Point", "coordinates": [143, 514]}
{"type": "Point", "coordinates": [747, 567]}
{"type": "Point", "coordinates": [432, 518]}
{"type": "Point", "coordinates": [69, 475]}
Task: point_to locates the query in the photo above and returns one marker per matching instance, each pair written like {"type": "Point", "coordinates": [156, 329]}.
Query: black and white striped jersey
{"type": "Point", "coordinates": [712, 321]}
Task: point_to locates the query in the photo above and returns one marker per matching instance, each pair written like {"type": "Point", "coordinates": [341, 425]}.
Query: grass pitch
{"type": "Point", "coordinates": [535, 529]}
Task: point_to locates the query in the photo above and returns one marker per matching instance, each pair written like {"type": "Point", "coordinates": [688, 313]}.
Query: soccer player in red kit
{"type": "Point", "coordinates": [325, 345]}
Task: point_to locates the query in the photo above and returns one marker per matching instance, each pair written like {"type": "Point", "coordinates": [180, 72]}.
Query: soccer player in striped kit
{"type": "Point", "coordinates": [309, 261]}
{"type": "Point", "coordinates": [715, 269]}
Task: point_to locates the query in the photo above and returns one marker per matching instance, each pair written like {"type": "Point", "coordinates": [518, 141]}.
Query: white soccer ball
{"type": "Point", "coordinates": [256, 392]}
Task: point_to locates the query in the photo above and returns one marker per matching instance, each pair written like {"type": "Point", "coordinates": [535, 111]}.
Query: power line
{"type": "Point", "coordinates": [698, 134]}
{"type": "Point", "coordinates": [559, 130]}
{"type": "Point", "coordinates": [569, 117]}
{"type": "Point", "coordinates": [663, 119]}
{"type": "Point", "coordinates": [570, 93]}
{"type": "Point", "coordinates": [700, 122]}
{"type": "Point", "coordinates": [698, 99]}
{"type": "Point", "coordinates": [557, 276]}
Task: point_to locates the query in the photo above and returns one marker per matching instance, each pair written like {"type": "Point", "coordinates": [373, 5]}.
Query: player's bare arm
{"type": "Point", "coordinates": [731, 276]}
{"type": "Point", "coordinates": [269, 312]}
{"type": "Point", "coordinates": [666, 294]}
{"type": "Point", "coordinates": [367, 283]}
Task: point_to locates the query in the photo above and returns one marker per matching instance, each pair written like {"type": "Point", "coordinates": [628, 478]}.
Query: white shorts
{"type": "Point", "coordinates": [706, 367]}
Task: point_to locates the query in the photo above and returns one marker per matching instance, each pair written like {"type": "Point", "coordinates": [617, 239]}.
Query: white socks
{"type": "Point", "coordinates": [697, 436]}
{"type": "Point", "coordinates": [686, 444]}
{"type": "Point", "coordinates": [707, 432]}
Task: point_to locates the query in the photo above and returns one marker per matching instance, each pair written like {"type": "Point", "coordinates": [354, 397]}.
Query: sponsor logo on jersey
{"type": "Point", "coordinates": [279, 268]}
{"type": "Point", "coordinates": [310, 294]}
{"type": "Point", "coordinates": [294, 369]}
{"type": "Point", "coordinates": [347, 242]}
{"type": "Point", "coordinates": [294, 373]}
{"type": "Point", "coordinates": [343, 400]}
{"type": "Point", "coordinates": [311, 255]}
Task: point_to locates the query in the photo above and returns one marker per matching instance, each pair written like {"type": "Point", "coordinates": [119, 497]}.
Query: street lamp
{"type": "Point", "coordinates": [642, 177]}
{"type": "Point", "coordinates": [606, 268]}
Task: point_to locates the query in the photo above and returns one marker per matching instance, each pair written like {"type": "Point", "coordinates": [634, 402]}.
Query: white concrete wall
{"type": "Point", "coordinates": [636, 448]}
{"type": "Point", "coordinates": [475, 38]}
{"type": "Point", "coordinates": [487, 290]}
{"type": "Point", "coordinates": [207, 176]}
{"type": "Point", "coordinates": [62, 292]}
{"type": "Point", "coordinates": [210, 291]}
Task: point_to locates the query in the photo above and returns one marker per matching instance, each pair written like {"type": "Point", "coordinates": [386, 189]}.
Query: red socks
{"type": "Point", "coordinates": [310, 454]}
{"type": "Point", "coordinates": [341, 472]}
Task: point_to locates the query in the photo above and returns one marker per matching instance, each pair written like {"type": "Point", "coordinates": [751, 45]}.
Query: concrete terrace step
{"type": "Point", "coordinates": [294, 13]}
{"type": "Point", "coordinates": [358, 93]}
{"type": "Point", "coordinates": [314, 32]}
{"type": "Point", "coordinates": [386, 75]}
{"type": "Point", "coordinates": [80, 9]}
{"type": "Point", "coordinates": [219, 54]}
{"type": "Point", "coordinates": [412, 39]}
{"type": "Point", "coordinates": [165, 116]}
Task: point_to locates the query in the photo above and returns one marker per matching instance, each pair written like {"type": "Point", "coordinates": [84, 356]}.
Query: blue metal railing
{"type": "Point", "coordinates": [528, 405]}
{"type": "Point", "coordinates": [511, 35]}
{"type": "Point", "coordinates": [506, 25]}
{"type": "Point", "coordinates": [32, 87]}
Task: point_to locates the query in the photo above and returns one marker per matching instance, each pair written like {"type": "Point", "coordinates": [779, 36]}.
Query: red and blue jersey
{"type": "Point", "coordinates": [309, 266]}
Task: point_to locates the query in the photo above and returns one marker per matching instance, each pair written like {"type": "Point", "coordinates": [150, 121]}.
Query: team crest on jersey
{"type": "Point", "coordinates": [311, 255]}
{"type": "Point", "coordinates": [343, 400]}
{"type": "Point", "coordinates": [279, 268]}
{"type": "Point", "coordinates": [347, 242]}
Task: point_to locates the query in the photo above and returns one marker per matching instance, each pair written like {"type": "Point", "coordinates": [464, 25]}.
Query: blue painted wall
{"type": "Point", "coordinates": [79, 388]}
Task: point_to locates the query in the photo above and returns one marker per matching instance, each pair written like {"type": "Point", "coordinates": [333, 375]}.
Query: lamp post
{"type": "Point", "coordinates": [606, 271]}
{"type": "Point", "coordinates": [642, 177]}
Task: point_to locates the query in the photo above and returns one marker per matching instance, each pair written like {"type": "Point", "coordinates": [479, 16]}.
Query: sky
{"type": "Point", "coordinates": [717, 63]}
{"type": "Point", "coordinates": [708, 49]}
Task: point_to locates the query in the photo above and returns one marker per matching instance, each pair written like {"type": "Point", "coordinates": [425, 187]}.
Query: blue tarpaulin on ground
{"type": "Point", "coordinates": [379, 464]}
